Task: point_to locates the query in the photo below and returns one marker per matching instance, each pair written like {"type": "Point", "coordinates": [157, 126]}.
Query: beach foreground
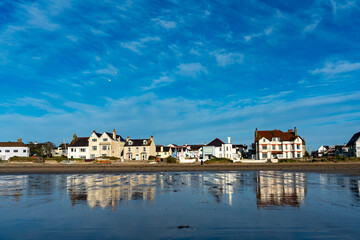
{"type": "Point", "coordinates": [349, 168]}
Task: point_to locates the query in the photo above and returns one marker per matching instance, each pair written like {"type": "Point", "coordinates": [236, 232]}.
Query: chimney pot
{"type": "Point", "coordinates": [19, 140]}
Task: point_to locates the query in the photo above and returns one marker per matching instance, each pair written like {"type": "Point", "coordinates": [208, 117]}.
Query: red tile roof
{"type": "Point", "coordinates": [284, 136]}
{"type": "Point", "coordinates": [12, 144]}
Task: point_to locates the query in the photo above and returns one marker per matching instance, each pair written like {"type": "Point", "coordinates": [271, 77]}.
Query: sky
{"type": "Point", "coordinates": [182, 71]}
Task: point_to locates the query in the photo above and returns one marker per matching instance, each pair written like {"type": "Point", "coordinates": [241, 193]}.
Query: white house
{"type": "Point", "coordinates": [220, 149]}
{"type": "Point", "coordinates": [13, 149]}
{"type": "Point", "coordinates": [275, 144]}
{"type": "Point", "coordinates": [354, 145]}
{"type": "Point", "coordinates": [79, 148]}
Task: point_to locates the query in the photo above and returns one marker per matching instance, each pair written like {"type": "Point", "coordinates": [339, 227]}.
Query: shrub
{"type": "Point", "coordinates": [152, 158]}
{"type": "Point", "coordinates": [215, 160]}
{"type": "Point", "coordinates": [171, 159]}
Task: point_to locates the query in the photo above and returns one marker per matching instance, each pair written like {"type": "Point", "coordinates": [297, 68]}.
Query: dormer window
{"type": "Point", "coordinates": [144, 142]}
{"type": "Point", "coordinates": [105, 139]}
{"type": "Point", "coordinates": [264, 140]}
{"type": "Point", "coordinates": [94, 140]}
{"type": "Point", "coordinates": [130, 142]}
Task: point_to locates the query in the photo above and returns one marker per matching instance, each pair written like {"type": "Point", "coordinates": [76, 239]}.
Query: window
{"type": "Point", "coordinates": [264, 155]}
{"type": "Point", "coordinates": [298, 155]}
{"type": "Point", "coordinates": [280, 147]}
{"type": "Point", "coordinates": [94, 148]}
{"type": "Point", "coordinates": [15, 150]}
{"type": "Point", "coordinates": [24, 151]}
{"type": "Point", "coordinates": [82, 150]}
{"type": "Point", "coordinates": [104, 155]}
{"type": "Point", "coordinates": [105, 139]}
{"type": "Point", "coordinates": [137, 149]}
{"type": "Point", "coordinates": [0, 150]}
{"type": "Point", "coordinates": [286, 147]}
{"type": "Point", "coordinates": [94, 140]}
{"type": "Point", "coordinates": [264, 140]}
{"type": "Point", "coordinates": [92, 156]}
{"type": "Point", "coordinates": [72, 150]}
{"type": "Point", "coordinates": [144, 157]}
{"type": "Point", "coordinates": [7, 150]}
{"type": "Point", "coordinates": [298, 146]}
{"type": "Point", "coordinates": [273, 147]}
{"type": "Point", "coordinates": [220, 150]}
{"type": "Point", "coordinates": [264, 147]}
{"type": "Point", "coordinates": [104, 147]}
{"type": "Point", "coordinates": [129, 149]}
{"type": "Point", "coordinates": [130, 142]}
{"type": "Point", "coordinates": [144, 142]}
{"type": "Point", "coordinates": [144, 149]}
{"type": "Point", "coordinates": [227, 148]}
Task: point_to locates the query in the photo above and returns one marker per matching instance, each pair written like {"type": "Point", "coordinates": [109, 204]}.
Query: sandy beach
{"type": "Point", "coordinates": [351, 168]}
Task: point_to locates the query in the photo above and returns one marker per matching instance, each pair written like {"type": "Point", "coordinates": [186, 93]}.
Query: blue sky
{"type": "Point", "coordinates": [183, 71]}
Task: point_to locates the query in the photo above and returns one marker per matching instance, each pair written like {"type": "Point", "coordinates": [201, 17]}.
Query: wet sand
{"type": "Point", "coordinates": [338, 168]}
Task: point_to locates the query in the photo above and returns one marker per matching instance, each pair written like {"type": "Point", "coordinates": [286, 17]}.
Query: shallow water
{"type": "Point", "coordinates": [230, 205]}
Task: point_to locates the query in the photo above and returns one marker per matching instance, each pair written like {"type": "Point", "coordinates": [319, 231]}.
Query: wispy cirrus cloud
{"type": "Point", "coordinates": [224, 58]}
{"type": "Point", "coordinates": [159, 82]}
{"type": "Point", "coordinates": [164, 23]}
{"type": "Point", "coordinates": [191, 69]}
{"type": "Point", "coordinates": [136, 46]}
{"type": "Point", "coordinates": [332, 68]}
{"type": "Point", "coordinates": [267, 31]}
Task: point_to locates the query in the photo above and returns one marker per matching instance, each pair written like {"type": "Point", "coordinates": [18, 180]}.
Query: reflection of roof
{"type": "Point", "coordinates": [353, 139]}
{"type": "Point", "coordinates": [138, 142]}
{"type": "Point", "coordinates": [80, 142]}
{"type": "Point", "coordinates": [284, 136]}
{"type": "Point", "coordinates": [216, 143]}
{"type": "Point", "coordinates": [12, 144]}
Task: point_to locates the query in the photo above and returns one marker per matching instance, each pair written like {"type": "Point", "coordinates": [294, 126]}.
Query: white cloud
{"type": "Point", "coordinates": [223, 59]}
{"type": "Point", "coordinates": [191, 69]}
{"type": "Point", "coordinates": [164, 24]}
{"type": "Point", "coordinates": [333, 68]}
{"type": "Point", "coordinates": [267, 31]}
{"type": "Point", "coordinates": [39, 19]}
{"type": "Point", "coordinates": [160, 82]}
{"type": "Point", "coordinates": [311, 27]}
{"type": "Point", "coordinates": [135, 46]}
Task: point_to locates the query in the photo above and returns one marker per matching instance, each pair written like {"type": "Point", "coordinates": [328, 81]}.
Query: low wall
{"type": "Point", "coordinates": [187, 160]}
{"type": "Point", "coordinates": [253, 161]}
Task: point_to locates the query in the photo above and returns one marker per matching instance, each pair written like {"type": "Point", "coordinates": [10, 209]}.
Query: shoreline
{"type": "Point", "coordinates": [348, 168]}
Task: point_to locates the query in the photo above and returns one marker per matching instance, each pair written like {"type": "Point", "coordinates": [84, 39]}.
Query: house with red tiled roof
{"type": "Point", "coordinates": [13, 149]}
{"type": "Point", "coordinates": [276, 144]}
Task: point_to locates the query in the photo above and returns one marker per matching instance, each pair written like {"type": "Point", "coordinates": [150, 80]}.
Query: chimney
{"type": "Point", "coordinates": [162, 148]}
{"type": "Point", "coordinates": [114, 134]}
{"type": "Point", "coordinates": [256, 133]}
{"type": "Point", "coordinates": [152, 138]}
{"type": "Point", "coordinates": [35, 142]}
{"type": "Point", "coordinates": [127, 139]}
{"type": "Point", "coordinates": [229, 140]}
{"type": "Point", "coordinates": [295, 131]}
{"type": "Point", "coordinates": [74, 137]}
{"type": "Point", "coordinates": [19, 140]}
{"type": "Point", "coordinates": [290, 130]}
{"type": "Point", "coordinates": [94, 131]}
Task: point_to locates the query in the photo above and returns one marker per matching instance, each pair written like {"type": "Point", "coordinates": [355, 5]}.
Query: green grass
{"type": "Point", "coordinates": [215, 160]}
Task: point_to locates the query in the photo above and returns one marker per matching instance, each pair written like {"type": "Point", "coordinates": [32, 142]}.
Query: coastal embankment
{"type": "Point", "coordinates": [348, 168]}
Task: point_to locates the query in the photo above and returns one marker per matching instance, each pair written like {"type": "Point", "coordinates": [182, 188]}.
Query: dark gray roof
{"type": "Point", "coordinates": [165, 149]}
{"type": "Point", "coordinates": [80, 142]}
{"type": "Point", "coordinates": [137, 142]}
{"type": "Point", "coordinates": [117, 136]}
{"type": "Point", "coordinates": [353, 139]}
{"type": "Point", "coordinates": [216, 143]}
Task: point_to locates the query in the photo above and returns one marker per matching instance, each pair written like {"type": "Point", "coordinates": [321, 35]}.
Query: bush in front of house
{"type": "Point", "coordinates": [152, 158]}
{"type": "Point", "coordinates": [171, 159]}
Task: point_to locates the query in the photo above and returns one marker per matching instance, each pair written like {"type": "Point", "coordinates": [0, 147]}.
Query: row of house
{"type": "Point", "coordinates": [269, 145]}
{"type": "Point", "coordinates": [351, 149]}
{"type": "Point", "coordinates": [111, 145]}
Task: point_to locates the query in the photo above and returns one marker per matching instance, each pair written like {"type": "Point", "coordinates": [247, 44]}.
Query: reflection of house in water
{"type": "Point", "coordinates": [110, 190]}
{"type": "Point", "coordinates": [280, 189]}
{"type": "Point", "coordinates": [12, 186]}
{"type": "Point", "coordinates": [222, 183]}
{"type": "Point", "coordinates": [351, 183]}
